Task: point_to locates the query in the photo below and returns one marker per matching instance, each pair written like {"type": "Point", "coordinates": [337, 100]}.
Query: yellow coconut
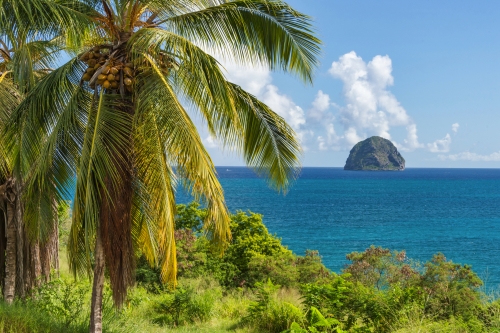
{"type": "Point", "coordinates": [100, 82]}
{"type": "Point", "coordinates": [114, 85]}
{"type": "Point", "coordinates": [127, 71]}
{"type": "Point", "coordinates": [106, 84]}
{"type": "Point", "coordinates": [127, 81]}
{"type": "Point", "coordinates": [86, 77]}
{"type": "Point", "coordinates": [114, 70]}
{"type": "Point", "coordinates": [105, 70]}
{"type": "Point", "coordinates": [102, 77]}
{"type": "Point", "coordinates": [111, 77]}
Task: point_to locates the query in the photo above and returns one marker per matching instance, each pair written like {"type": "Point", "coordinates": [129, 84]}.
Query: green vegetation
{"type": "Point", "coordinates": [117, 117]}
{"type": "Point", "coordinates": [261, 286]}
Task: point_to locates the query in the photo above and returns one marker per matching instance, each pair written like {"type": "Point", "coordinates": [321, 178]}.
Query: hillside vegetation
{"type": "Point", "coordinates": [259, 285]}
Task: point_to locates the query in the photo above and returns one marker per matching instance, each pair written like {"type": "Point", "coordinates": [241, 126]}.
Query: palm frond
{"type": "Point", "coordinates": [98, 172]}
{"type": "Point", "coordinates": [269, 144]}
{"type": "Point", "coordinates": [197, 78]}
{"type": "Point", "coordinates": [261, 32]}
{"type": "Point", "coordinates": [184, 149]}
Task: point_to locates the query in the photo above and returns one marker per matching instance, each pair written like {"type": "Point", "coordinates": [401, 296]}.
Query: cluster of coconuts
{"type": "Point", "coordinates": [106, 70]}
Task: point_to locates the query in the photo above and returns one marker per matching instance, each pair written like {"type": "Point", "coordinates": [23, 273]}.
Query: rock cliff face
{"type": "Point", "coordinates": [375, 153]}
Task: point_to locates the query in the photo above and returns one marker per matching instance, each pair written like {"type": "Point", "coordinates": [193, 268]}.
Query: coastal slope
{"type": "Point", "coordinates": [375, 154]}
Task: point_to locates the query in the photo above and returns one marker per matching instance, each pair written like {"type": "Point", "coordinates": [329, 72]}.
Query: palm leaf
{"type": "Point", "coordinates": [262, 32]}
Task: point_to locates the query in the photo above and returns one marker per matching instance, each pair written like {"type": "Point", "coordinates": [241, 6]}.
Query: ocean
{"type": "Point", "coordinates": [422, 211]}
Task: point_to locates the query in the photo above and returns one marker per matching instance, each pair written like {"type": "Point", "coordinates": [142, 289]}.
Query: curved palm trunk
{"type": "Point", "coordinates": [3, 243]}
{"type": "Point", "coordinates": [20, 243]}
{"type": "Point", "coordinates": [97, 287]}
{"type": "Point", "coordinates": [10, 256]}
{"type": "Point", "coordinates": [8, 197]}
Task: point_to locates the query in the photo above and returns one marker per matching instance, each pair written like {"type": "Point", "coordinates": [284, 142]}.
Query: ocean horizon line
{"type": "Point", "coordinates": [341, 167]}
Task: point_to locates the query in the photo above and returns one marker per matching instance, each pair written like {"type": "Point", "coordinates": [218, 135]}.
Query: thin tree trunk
{"type": "Point", "coordinates": [97, 287]}
{"type": "Point", "coordinates": [37, 266]}
{"type": "Point", "coordinates": [54, 247]}
{"type": "Point", "coordinates": [10, 255]}
{"type": "Point", "coordinates": [45, 258]}
{"type": "Point", "coordinates": [3, 244]}
{"type": "Point", "coordinates": [20, 239]}
{"type": "Point", "coordinates": [28, 266]}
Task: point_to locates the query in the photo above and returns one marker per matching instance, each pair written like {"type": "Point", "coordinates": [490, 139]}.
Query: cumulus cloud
{"type": "Point", "coordinates": [211, 142]}
{"type": "Point", "coordinates": [440, 146]}
{"type": "Point", "coordinates": [257, 81]}
{"type": "Point", "coordinates": [371, 109]}
{"type": "Point", "coordinates": [252, 79]}
{"type": "Point", "coordinates": [284, 106]}
{"type": "Point", "coordinates": [468, 156]}
{"type": "Point", "coordinates": [321, 102]}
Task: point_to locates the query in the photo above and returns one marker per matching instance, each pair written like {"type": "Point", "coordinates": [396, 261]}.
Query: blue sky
{"type": "Point", "coordinates": [425, 74]}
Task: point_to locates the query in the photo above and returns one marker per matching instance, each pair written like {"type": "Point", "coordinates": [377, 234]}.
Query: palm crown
{"type": "Point", "coordinates": [117, 117]}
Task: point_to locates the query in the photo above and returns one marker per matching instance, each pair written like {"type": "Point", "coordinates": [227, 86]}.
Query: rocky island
{"type": "Point", "coordinates": [375, 154]}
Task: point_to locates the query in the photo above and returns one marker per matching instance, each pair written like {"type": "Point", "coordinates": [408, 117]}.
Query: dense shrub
{"type": "Point", "coordinates": [378, 291]}
{"type": "Point", "coordinates": [254, 255]}
{"type": "Point", "coordinates": [270, 313]}
{"type": "Point", "coordinates": [187, 304]}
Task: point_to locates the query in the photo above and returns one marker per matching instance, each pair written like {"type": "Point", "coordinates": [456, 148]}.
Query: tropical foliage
{"type": "Point", "coordinates": [117, 118]}
{"type": "Point", "coordinates": [28, 51]}
{"type": "Point", "coordinates": [438, 296]}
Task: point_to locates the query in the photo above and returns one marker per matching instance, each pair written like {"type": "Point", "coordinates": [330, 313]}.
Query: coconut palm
{"type": "Point", "coordinates": [27, 52]}
{"type": "Point", "coordinates": [118, 118]}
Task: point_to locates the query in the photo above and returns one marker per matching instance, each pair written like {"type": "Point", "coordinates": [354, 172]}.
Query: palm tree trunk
{"type": "Point", "coordinates": [54, 241]}
{"type": "Point", "coordinates": [20, 240]}
{"type": "Point", "coordinates": [10, 255]}
{"type": "Point", "coordinates": [3, 244]}
{"type": "Point", "coordinates": [37, 266]}
{"type": "Point", "coordinates": [98, 287]}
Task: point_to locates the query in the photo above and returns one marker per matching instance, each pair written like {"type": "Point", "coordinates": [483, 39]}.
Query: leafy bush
{"type": "Point", "coordinates": [269, 313]}
{"type": "Point", "coordinates": [62, 300]}
{"type": "Point", "coordinates": [21, 318]}
{"type": "Point", "coordinates": [187, 304]}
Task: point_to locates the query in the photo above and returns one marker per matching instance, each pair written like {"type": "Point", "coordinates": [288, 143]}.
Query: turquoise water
{"type": "Point", "coordinates": [423, 211]}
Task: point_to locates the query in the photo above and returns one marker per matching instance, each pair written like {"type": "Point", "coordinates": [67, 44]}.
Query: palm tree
{"type": "Point", "coordinates": [26, 55]}
{"type": "Point", "coordinates": [118, 118]}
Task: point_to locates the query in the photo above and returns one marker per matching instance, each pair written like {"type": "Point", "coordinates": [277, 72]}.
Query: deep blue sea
{"type": "Point", "coordinates": [422, 211]}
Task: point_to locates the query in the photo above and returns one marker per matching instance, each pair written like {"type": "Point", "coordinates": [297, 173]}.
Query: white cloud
{"type": "Point", "coordinates": [257, 81]}
{"type": "Point", "coordinates": [468, 156]}
{"type": "Point", "coordinates": [211, 142]}
{"type": "Point", "coordinates": [411, 141]}
{"type": "Point", "coordinates": [252, 79]}
{"type": "Point", "coordinates": [371, 109]}
{"type": "Point", "coordinates": [321, 102]}
{"type": "Point", "coordinates": [330, 140]}
{"type": "Point", "coordinates": [284, 106]}
{"type": "Point", "coordinates": [440, 146]}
